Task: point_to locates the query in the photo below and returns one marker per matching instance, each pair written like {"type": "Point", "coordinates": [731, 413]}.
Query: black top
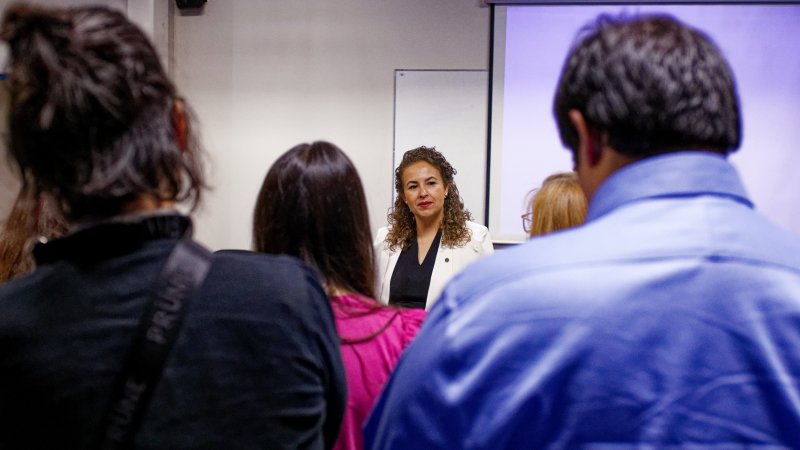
{"type": "Point", "coordinates": [410, 279]}
{"type": "Point", "coordinates": [256, 363]}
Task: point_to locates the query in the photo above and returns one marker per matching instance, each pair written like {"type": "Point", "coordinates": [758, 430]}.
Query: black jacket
{"type": "Point", "coordinates": [256, 364]}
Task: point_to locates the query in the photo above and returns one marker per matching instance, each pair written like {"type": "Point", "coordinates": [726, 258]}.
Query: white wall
{"type": "Point", "coordinates": [264, 76]}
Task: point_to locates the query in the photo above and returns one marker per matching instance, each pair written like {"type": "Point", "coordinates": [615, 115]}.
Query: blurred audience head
{"type": "Point", "coordinates": [94, 121]}
{"type": "Point", "coordinates": [647, 85]}
{"type": "Point", "coordinates": [312, 205]}
{"type": "Point", "coordinates": [558, 204]}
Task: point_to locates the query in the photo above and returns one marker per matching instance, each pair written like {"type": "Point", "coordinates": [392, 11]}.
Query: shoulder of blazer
{"type": "Point", "coordinates": [380, 237]}
{"type": "Point", "coordinates": [478, 231]}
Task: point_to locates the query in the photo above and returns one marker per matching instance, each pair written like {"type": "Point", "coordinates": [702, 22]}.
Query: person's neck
{"type": "Point", "coordinates": [146, 203]}
{"type": "Point", "coordinates": [336, 291]}
{"type": "Point", "coordinates": [428, 229]}
{"type": "Point", "coordinates": [134, 210]}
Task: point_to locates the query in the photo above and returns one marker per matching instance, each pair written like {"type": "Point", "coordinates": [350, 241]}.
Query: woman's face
{"type": "Point", "coordinates": [424, 191]}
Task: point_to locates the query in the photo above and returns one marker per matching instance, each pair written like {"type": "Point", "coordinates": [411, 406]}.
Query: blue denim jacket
{"type": "Point", "coordinates": [670, 319]}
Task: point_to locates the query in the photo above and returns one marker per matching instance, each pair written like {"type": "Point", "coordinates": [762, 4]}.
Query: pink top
{"type": "Point", "coordinates": [373, 337]}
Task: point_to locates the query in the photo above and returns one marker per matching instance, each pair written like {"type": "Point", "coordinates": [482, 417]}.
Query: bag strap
{"type": "Point", "coordinates": [182, 275]}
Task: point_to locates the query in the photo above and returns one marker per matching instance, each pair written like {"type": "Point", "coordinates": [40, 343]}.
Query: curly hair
{"type": "Point", "coordinates": [652, 84]}
{"type": "Point", "coordinates": [28, 218]}
{"type": "Point", "coordinates": [402, 225]}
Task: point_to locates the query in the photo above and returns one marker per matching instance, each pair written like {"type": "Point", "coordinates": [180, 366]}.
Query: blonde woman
{"type": "Point", "coordinates": [558, 204]}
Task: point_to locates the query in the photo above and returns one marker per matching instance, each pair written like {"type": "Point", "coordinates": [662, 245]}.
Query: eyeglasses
{"type": "Point", "coordinates": [527, 221]}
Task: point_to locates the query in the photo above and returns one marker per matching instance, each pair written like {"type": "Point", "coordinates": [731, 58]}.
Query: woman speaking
{"type": "Point", "coordinates": [430, 237]}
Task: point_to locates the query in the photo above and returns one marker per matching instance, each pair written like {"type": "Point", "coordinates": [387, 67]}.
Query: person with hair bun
{"type": "Point", "coordinates": [557, 205]}
{"type": "Point", "coordinates": [430, 236]}
{"type": "Point", "coordinates": [312, 205]}
{"type": "Point", "coordinates": [96, 125]}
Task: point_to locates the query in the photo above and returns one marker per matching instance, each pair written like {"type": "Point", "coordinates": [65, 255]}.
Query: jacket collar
{"type": "Point", "coordinates": [676, 174]}
{"type": "Point", "coordinates": [114, 237]}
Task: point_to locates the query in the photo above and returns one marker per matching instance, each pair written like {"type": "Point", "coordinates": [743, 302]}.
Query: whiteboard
{"type": "Point", "coordinates": [446, 109]}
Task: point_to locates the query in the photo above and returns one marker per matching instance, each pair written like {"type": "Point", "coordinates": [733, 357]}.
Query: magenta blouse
{"type": "Point", "coordinates": [372, 338]}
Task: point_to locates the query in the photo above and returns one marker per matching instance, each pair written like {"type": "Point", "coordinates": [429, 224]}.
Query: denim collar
{"type": "Point", "coordinates": [676, 174]}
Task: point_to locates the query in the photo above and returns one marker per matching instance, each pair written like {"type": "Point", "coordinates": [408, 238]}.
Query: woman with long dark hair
{"type": "Point", "coordinates": [96, 125]}
{"type": "Point", "coordinates": [312, 205]}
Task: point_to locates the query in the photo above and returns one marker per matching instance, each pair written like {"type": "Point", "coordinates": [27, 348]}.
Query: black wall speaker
{"type": "Point", "coordinates": [190, 4]}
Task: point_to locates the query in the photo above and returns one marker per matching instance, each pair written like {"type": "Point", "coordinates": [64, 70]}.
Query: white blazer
{"type": "Point", "coordinates": [449, 261]}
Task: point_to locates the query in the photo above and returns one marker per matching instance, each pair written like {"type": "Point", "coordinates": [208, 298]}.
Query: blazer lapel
{"type": "Point", "coordinates": [386, 276]}
{"type": "Point", "coordinates": [442, 272]}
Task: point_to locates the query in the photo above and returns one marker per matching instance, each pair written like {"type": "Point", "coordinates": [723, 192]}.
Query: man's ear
{"type": "Point", "coordinates": [590, 148]}
{"type": "Point", "coordinates": [180, 125]}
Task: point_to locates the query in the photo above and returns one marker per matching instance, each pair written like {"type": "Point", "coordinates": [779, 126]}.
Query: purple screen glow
{"type": "Point", "coordinates": [759, 41]}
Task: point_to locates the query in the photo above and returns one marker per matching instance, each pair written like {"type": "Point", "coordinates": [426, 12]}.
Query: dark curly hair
{"type": "Point", "coordinates": [402, 225]}
{"type": "Point", "coordinates": [93, 116]}
{"type": "Point", "coordinates": [652, 84]}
